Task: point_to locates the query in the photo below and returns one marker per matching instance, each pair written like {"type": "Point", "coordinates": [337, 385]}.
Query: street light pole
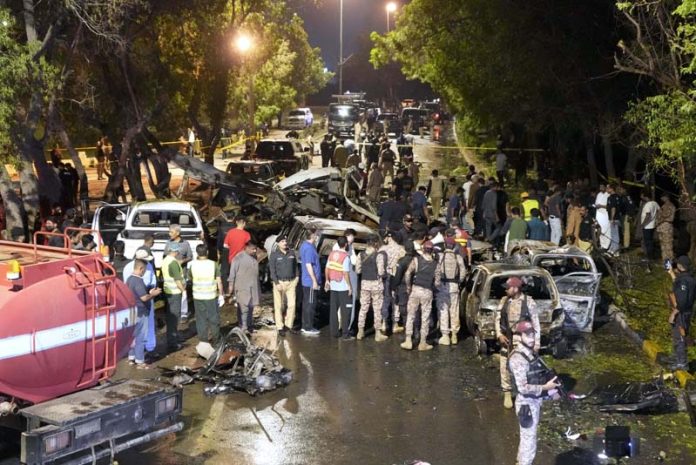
{"type": "Point", "coordinates": [340, 48]}
{"type": "Point", "coordinates": [245, 45]}
{"type": "Point", "coordinates": [391, 8]}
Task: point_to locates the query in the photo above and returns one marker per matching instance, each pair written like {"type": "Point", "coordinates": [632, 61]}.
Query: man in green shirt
{"type": "Point", "coordinates": [517, 228]}
{"type": "Point", "coordinates": [174, 287]}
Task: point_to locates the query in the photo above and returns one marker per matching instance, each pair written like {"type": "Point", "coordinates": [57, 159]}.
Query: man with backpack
{"type": "Point", "coordinates": [452, 273]}
{"type": "Point", "coordinates": [372, 266]}
{"type": "Point", "coordinates": [421, 277]}
{"type": "Point", "coordinates": [513, 308]}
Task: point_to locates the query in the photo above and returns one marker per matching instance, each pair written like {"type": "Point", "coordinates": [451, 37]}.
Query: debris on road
{"type": "Point", "coordinates": [234, 365]}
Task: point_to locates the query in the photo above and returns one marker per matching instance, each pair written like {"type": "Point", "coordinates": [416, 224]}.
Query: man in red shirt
{"type": "Point", "coordinates": [236, 238]}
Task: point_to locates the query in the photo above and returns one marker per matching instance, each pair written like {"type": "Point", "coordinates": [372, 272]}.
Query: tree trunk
{"type": "Point", "coordinates": [14, 211]}
{"type": "Point", "coordinates": [633, 157]}
{"type": "Point", "coordinates": [160, 165]}
{"type": "Point", "coordinates": [591, 161]}
{"type": "Point", "coordinates": [57, 126]}
{"type": "Point", "coordinates": [29, 186]}
{"type": "Point", "coordinates": [608, 154]}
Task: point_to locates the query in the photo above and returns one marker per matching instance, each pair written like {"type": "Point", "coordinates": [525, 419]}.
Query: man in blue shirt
{"type": "Point", "coordinates": [311, 282]}
{"type": "Point", "coordinates": [537, 229]}
{"type": "Point", "coordinates": [142, 296]}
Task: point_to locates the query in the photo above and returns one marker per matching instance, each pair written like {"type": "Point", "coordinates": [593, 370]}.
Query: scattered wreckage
{"type": "Point", "coordinates": [234, 365]}
{"type": "Point", "coordinates": [575, 274]}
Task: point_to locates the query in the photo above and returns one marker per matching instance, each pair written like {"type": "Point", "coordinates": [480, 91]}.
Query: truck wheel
{"type": "Point", "coordinates": [480, 345]}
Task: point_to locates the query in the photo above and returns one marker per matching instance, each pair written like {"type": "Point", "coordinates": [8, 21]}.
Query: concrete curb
{"type": "Point", "coordinates": [649, 347]}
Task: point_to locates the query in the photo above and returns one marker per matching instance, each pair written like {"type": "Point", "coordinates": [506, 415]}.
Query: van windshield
{"type": "Point", "coordinates": [297, 113]}
{"type": "Point", "coordinates": [162, 219]}
{"type": "Point", "coordinates": [342, 111]}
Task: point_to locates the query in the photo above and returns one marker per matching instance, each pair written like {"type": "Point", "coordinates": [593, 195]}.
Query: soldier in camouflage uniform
{"type": "Point", "coordinates": [421, 277]}
{"type": "Point", "coordinates": [513, 308]}
{"type": "Point", "coordinates": [530, 392]}
{"type": "Point", "coordinates": [394, 251]}
{"type": "Point", "coordinates": [665, 227]}
{"type": "Point", "coordinates": [452, 272]}
{"type": "Point", "coordinates": [371, 266]}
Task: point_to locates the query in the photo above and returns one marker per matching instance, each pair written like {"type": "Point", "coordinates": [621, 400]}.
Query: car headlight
{"type": "Point", "coordinates": [166, 405]}
{"type": "Point", "coordinates": [57, 442]}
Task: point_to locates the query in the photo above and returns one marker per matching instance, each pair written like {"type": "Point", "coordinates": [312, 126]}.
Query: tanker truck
{"type": "Point", "coordinates": [66, 322]}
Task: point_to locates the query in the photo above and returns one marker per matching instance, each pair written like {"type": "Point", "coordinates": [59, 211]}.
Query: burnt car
{"type": "Point", "coordinates": [575, 274]}
{"type": "Point", "coordinates": [252, 171]}
{"type": "Point", "coordinates": [481, 296]}
{"type": "Point", "coordinates": [288, 156]}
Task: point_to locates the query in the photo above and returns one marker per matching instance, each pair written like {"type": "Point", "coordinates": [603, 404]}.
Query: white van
{"type": "Point", "coordinates": [299, 118]}
{"type": "Point", "coordinates": [152, 217]}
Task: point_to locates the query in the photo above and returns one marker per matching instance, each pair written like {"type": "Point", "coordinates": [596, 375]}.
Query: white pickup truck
{"type": "Point", "coordinates": [132, 223]}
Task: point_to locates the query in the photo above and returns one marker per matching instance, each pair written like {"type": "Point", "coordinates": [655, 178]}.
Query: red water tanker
{"type": "Point", "coordinates": [66, 321]}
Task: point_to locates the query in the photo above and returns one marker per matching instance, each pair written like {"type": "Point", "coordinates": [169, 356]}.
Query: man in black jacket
{"type": "Point", "coordinates": [282, 265]}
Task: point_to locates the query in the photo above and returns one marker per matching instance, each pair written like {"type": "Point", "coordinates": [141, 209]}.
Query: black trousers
{"type": "Point", "coordinates": [340, 301]}
{"type": "Point", "coordinates": [649, 243]}
{"type": "Point", "coordinates": [679, 341]}
{"type": "Point", "coordinates": [309, 307]}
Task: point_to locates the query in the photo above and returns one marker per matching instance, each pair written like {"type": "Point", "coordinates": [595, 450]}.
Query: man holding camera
{"type": "Point", "coordinates": [514, 308]}
{"type": "Point", "coordinates": [682, 302]}
{"type": "Point", "coordinates": [529, 379]}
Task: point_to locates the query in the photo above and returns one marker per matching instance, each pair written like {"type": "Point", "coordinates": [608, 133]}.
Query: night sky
{"type": "Point", "coordinates": [360, 17]}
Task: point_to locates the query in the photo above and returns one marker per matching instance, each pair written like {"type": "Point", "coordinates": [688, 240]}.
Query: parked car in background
{"type": "Point", "coordinates": [288, 156]}
{"type": "Point", "coordinates": [481, 296]}
{"type": "Point", "coordinates": [415, 118]}
{"type": "Point", "coordinates": [256, 171]}
{"type": "Point", "coordinates": [299, 118]}
{"type": "Point", "coordinates": [342, 119]}
{"type": "Point", "coordinates": [389, 123]}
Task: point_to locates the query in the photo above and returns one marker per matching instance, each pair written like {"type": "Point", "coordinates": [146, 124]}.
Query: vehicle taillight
{"type": "Point", "coordinates": [13, 270]}
{"type": "Point", "coordinates": [56, 442]}
{"type": "Point", "coordinates": [104, 251]}
{"type": "Point", "coordinates": [166, 405]}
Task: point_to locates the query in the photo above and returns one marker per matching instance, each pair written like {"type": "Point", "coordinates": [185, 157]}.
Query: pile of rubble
{"type": "Point", "coordinates": [234, 365]}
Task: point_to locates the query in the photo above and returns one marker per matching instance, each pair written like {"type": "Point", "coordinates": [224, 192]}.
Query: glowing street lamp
{"type": "Point", "coordinates": [244, 45]}
{"type": "Point", "coordinates": [391, 8]}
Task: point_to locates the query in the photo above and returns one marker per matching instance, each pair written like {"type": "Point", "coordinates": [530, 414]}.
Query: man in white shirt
{"type": "Point", "coordinates": [500, 166]}
{"type": "Point", "coordinates": [191, 141]}
{"type": "Point", "coordinates": [602, 217]}
{"type": "Point", "coordinates": [648, 217]}
{"type": "Point", "coordinates": [467, 187]}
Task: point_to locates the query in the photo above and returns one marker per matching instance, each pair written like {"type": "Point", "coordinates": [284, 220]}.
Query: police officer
{"type": "Point", "coordinates": [452, 273]}
{"type": "Point", "coordinates": [393, 251]}
{"type": "Point", "coordinates": [372, 266]}
{"type": "Point", "coordinates": [422, 276]}
{"type": "Point", "coordinates": [682, 299]}
{"type": "Point", "coordinates": [513, 308]}
{"type": "Point", "coordinates": [528, 377]}
{"type": "Point", "coordinates": [400, 290]}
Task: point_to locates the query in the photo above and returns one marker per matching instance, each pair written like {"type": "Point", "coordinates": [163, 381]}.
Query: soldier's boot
{"type": "Point", "coordinates": [423, 346]}
{"type": "Point", "coordinates": [507, 399]}
{"type": "Point", "coordinates": [407, 344]}
{"type": "Point", "coordinates": [397, 329]}
{"type": "Point", "coordinates": [444, 340]}
{"type": "Point", "coordinates": [453, 339]}
{"type": "Point", "coordinates": [380, 336]}
{"type": "Point", "coordinates": [361, 334]}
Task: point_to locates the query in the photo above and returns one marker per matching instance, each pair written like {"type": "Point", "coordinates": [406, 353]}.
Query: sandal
{"type": "Point", "coordinates": [142, 366]}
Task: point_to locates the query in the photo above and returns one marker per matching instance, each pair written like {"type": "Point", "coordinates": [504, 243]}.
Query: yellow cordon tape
{"type": "Point", "coordinates": [454, 147]}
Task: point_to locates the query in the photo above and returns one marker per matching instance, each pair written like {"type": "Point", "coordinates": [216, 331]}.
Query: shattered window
{"type": "Point", "coordinates": [537, 287]}
{"type": "Point", "coordinates": [561, 266]}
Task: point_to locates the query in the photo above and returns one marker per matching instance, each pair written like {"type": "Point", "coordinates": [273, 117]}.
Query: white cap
{"type": "Point", "coordinates": [143, 254]}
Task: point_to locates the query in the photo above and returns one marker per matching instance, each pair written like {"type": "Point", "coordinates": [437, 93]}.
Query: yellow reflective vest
{"type": "Point", "coordinates": [203, 280]}
{"type": "Point", "coordinates": [527, 206]}
{"type": "Point", "coordinates": [170, 286]}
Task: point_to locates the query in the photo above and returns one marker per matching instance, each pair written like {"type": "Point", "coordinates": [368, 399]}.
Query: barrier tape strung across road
{"type": "Point", "coordinates": [456, 147]}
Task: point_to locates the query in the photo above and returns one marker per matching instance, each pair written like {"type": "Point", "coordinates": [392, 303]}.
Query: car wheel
{"type": "Point", "coordinates": [560, 349]}
{"type": "Point", "coordinates": [480, 344]}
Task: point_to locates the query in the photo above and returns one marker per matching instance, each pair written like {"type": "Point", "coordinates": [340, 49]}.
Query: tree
{"type": "Point", "coordinates": [663, 47]}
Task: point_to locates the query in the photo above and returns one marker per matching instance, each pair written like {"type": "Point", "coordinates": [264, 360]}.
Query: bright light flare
{"type": "Point", "coordinates": [391, 7]}
{"type": "Point", "coordinates": [243, 43]}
